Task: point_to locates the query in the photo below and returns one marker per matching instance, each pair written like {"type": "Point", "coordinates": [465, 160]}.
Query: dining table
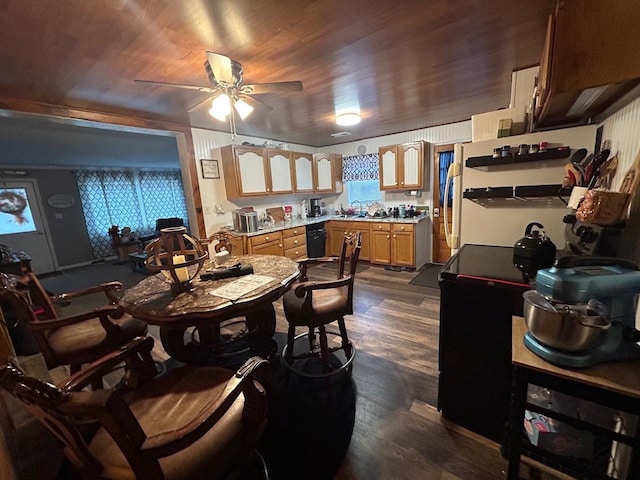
{"type": "Point", "coordinates": [192, 323]}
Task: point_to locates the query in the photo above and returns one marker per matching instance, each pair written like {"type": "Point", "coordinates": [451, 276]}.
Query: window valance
{"type": "Point", "coordinates": [360, 167]}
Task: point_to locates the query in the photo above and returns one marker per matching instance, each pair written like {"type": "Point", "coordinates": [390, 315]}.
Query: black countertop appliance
{"type": "Point", "coordinates": [480, 291]}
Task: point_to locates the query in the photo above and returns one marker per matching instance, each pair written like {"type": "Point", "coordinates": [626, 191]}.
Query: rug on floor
{"type": "Point", "coordinates": [428, 276]}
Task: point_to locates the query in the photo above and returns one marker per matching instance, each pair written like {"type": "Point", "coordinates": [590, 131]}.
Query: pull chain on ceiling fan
{"type": "Point", "coordinates": [228, 93]}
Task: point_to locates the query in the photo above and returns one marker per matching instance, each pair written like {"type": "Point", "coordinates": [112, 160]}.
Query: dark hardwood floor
{"type": "Point", "coordinates": [398, 432]}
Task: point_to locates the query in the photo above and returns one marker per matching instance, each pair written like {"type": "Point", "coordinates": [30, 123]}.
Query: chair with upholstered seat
{"type": "Point", "coordinates": [77, 339]}
{"type": "Point", "coordinates": [315, 304]}
{"type": "Point", "coordinates": [189, 423]}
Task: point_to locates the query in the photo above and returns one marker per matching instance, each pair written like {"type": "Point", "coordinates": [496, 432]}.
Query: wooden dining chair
{"type": "Point", "coordinates": [191, 423]}
{"type": "Point", "coordinates": [73, 340]}
{"type": "Point", "coordinates": [316, 304]}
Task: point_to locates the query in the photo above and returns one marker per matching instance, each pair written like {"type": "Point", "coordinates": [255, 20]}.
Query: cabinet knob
{"type": "Point", "coordinates": [388, 236]}
{"type": "Point", "coordinates": [346, 233]}
{"type": "Point", "coordinates": [401, 228]}
{"type": "Point", "coordinates": [295, 242]}
{"type": "Point", "coordinates": [266, 238]}
{"type": "Point", "coordinates": [380, 227]}
{"type": "Point", "coordinates": [394, 236]}
{"type": "Point", "coordinates": [295, 232]}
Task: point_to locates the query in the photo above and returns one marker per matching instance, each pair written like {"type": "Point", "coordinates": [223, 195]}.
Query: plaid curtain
{"type": "Point", "coordinates": [360, 167]}
{"type": "Point", "coordinates": [127, 198]}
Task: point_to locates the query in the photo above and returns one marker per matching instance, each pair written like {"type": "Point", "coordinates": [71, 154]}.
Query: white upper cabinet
{"type": "Point", "coordinates": [303, 172]}
{"type": "Point", "coordinates": [252, 175]}
{"type": "Point", "coordinates": [402, 166]}
{"type": "Point", "coordinates": [280, 172]}
{"type": "Point", "coordinates": [328, 173]}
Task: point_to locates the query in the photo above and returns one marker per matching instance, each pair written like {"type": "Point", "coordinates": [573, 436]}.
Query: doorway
{"type": "Point", "coordinates": [443, 156]}
{"type": "Point", "coordinates": [22, 225]}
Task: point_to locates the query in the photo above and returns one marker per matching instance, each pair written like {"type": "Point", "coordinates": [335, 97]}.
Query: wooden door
{"type": "Point", "coordinates": [441, 251]}
{"type": "Point", "coordinates": [365, 243]}
{"type": "Point", "coordinates": [380, 246]}
{"type": "Point", "coordinates": [337, 231]}
{"type": "Point", "coordinates": [403, 249]}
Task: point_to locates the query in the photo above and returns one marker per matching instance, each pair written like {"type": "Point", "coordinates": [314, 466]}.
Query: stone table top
{"type": "Point", "coordinates": [151, 299]}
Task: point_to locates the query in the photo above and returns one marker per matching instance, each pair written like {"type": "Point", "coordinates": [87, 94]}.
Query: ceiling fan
{"type": "Point", "coordinates": [227, 90]}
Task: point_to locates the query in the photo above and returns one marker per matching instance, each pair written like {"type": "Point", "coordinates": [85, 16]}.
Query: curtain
{"type": "Point", "coordinates": [360, 167]}
{"type": "Point", "coordinates": [128, 198]}
{"type": "Point", "coordinates": [445, 159]}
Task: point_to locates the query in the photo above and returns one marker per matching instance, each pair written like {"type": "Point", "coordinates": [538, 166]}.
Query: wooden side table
{"type": "Point", "coordinates": [609, 385]}
{"type": "Point", "coordinates": [137, 261]}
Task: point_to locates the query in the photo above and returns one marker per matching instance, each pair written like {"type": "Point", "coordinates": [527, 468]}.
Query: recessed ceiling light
{"type": "Point", "coordinates": [347, 119]}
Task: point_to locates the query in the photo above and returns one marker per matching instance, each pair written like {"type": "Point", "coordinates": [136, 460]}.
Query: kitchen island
{"type": "Point", "coordinates": [403, 243]}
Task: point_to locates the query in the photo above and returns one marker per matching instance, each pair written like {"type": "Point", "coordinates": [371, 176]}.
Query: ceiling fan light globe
{"type": "Point", "coordinates": [220, 107]}
{"type": "Point", "coordinates": [243, 108]}
{"type": "Point", "coordinates": [348, 119]}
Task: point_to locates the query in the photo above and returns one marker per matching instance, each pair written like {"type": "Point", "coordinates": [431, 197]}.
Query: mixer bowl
{"type": "Point", "coordinates": [563, 327]}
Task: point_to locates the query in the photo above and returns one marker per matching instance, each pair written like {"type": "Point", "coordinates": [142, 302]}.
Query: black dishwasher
{"type": "Point", "coordinates": [316, 238]}
{"type": "Point", "coordinates": [480, 290]}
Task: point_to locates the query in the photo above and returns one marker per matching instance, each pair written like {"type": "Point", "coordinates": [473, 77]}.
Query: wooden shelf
{"type": "Point", "coordinates": [489, 160]}
{"type": "Point", "coordinates": [494, 196]}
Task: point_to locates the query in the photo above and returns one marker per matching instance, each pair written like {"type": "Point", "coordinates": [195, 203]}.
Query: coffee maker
{"type": "Point", "coordinates": [314, 210]}
{"type": "Point", "coordinates": [583, 311]}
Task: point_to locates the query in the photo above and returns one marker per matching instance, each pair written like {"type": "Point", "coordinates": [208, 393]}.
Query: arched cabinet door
{"type": "Point", "coordinates": [303, 172]}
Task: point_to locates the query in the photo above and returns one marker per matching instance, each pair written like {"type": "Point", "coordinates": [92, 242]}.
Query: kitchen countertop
{"type": "Point", "coordinates": [325, 218]}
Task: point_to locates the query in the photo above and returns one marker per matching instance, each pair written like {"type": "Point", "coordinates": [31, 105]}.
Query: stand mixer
{"type": "Point", "coordinates": [583, 311]}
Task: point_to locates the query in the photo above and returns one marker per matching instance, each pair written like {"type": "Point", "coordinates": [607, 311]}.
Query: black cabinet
{"type": "Point", "coordinates": [480, 291]}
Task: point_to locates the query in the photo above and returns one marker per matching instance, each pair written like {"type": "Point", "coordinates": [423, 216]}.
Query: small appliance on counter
{"type": "Point", "coordinates": [582, 311]}
{"type": "Point", "coordinates": [245, 220]}
{"type": "Point", "coordinates": [315, 210]}
{"type": "Point", "coordinates": [591, 239]}
{"type": "Point", "coordinates": [534, 251]}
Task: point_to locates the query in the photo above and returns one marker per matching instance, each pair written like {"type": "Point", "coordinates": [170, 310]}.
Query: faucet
{"type": "Point", "coordinates": [360, 207]}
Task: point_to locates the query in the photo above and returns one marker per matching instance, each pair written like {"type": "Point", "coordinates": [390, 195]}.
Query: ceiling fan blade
{"type": "Point", "coordinates": [222, 68]}
{"type": "Point", "coordinates": [199, 105]}
{"type": "Point", "coordinates": [178, 85]}
{"type": "Point", "coordinates": [276, 87]}
{"type": "Point", "coordinates": [255, 102]}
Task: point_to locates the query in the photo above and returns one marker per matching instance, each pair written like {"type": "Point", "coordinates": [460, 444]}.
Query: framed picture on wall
{"type": "Point", "coordinates": [210, 168]}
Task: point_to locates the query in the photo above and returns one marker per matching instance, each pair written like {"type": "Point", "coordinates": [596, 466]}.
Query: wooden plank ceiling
{"type": "Point", "coordinates": [404, 64]}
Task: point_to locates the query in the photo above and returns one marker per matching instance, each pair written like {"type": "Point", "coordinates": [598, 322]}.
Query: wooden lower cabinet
{"type": "Point", "coordinates": [294, 242]}
{"type": "Point", "coordinates": [393, 244]}
{"type": "Point", "coordinates": [338, 229]}
{"type": "Point", "coordinates": [403, 252]}
{"type": "Point", "coordinates": [266, 244]}
{"type": "Point", "coordinates": [381, 243]}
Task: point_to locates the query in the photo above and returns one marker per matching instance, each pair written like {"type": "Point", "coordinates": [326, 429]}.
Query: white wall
{"type": "Point", "coordinates": [207, 142]}
{"type": "Point", "coordinates": [440, 135]}
{"type": "Point", "coordinates": [623, 130]}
